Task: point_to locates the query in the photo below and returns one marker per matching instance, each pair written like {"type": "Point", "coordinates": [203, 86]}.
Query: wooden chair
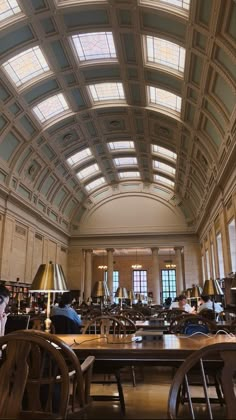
{"type": "Point", "coordinates": [63, 325]}
{"type": "Point", "coordinates": [41, 377]}
{"type": "Point", "coordinates": [220, 357]}
{"type": "Point", "coordinates": [107, 324]}
{"type": "Point", "coordinates": [189, 324]}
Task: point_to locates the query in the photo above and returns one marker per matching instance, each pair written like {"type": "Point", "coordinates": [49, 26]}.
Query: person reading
{"type": "Point", "coordinates": [4, 300]}
{"type": "Point", "coordinates": [182, 304]}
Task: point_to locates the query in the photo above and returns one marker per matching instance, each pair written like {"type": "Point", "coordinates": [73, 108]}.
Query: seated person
{"type": "Point", "coordinates": [167, 303]}
{"type": "Point", "coordinates": [182, 305]}
{"type": "Point", "coordinates": [64, 308]}
{"type": "Point", "coordinates": [206, 303]}
{"type": "Point", "coordinates": [4, 299]}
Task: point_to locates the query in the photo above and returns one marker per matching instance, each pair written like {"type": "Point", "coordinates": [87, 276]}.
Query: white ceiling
{"type": "Point", "coordinates": [33, 156]}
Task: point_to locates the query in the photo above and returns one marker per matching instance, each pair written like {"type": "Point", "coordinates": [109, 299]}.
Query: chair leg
{"type": "Point", "coordinates": [133, 375]}
{"type": "Point", "coordinates": [120, 392]}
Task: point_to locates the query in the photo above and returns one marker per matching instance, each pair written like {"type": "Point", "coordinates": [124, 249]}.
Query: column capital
{"type": "Point", "coordinates": [110, 249]}
{"type": "Point", "coordinates": [154, 249]}
{"type": "Point", "coordinates": [88, 250]}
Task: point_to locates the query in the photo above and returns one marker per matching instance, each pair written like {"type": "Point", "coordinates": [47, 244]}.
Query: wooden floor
{"type": "Point", "coordinates": [148, 400]}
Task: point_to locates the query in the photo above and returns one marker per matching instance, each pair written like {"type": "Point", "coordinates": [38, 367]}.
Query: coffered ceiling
{"type": "Point", "coordinates": [106, 98]}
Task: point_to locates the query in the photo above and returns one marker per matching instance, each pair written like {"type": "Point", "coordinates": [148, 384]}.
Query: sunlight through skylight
{"type": "Point", "coordinates": [182, 4]}
{"type": "Point", "coordinates": [121, 145]}
{"type": "Point", "coordinates": [130, 174]}
{"type": "Point", "coordinates": [88, 171]}
{"type": "Point", "coordinates": [125, 161]}
{"type": "Point", "coordinates": [95, 184]}
{"type": "Point", "coordinates": [163, 180]}
{"type": "Point", "coordinates": [94, 46]}
{"type": "Point", "coordinates": [163, 167]}
{"type": "Point", "coordinates": [51, 107]}
{"type": "Point", "coordinates": [26, 66]}
{"type": "Point", "coordinates": [164, 98]}
{"type": "Point", "coordinates": [79, 157]}
{"type": "Point", "coordinates": [162, 151]}
{"type": "Point", "coordinates": [8, 9]}
{"type": "Point", "coordinates": [107, 91]}
{"type": "Point", "coordinates": [165, 53]}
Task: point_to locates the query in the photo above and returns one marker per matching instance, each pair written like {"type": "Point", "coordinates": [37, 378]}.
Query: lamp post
{"type": "Point", "coordinates": [49, 278]}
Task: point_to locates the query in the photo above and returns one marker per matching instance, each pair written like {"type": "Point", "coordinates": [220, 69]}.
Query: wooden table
{"type": "Point", "coordinates": [169, 349]}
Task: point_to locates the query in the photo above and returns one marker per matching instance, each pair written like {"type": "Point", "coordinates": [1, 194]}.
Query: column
{"type": "Point", "coordinates": [88, 274]}
{"type": "Point", "coordinates": [179, 271]}
{"type": "Point", "coordinates": [156, 276]}
{"type": "Point", "coordinates": [110, 272]}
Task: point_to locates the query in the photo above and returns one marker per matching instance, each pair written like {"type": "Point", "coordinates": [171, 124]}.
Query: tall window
{"type": "Point", "coordinates": [168, 279]}
{"type": "Point", "coordinates": [220, 255]}
{"type": "Point", "coordinates": [140, 281]}
{"type": "Point", "coordinates": [203, 268]}
{"type": "Point", "coordinates": [232, 244]}
{"type": "Point", "coordinates": [115, 283]}
{"type": "Point", "coordinates": [213, 261]}
{"type": "Point", "coordinates": [208, 264]}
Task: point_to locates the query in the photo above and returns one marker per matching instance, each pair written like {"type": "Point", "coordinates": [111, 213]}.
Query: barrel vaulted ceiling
{"type": "Point", "coordinates": [111, 98]}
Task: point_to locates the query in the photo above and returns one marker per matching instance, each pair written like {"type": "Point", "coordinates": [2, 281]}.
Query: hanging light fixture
{"type": "Point", "coordinates": [103, 266]}
{"type": "Point", "coordinates": [169, 263]}
{"type": "Point", "coordinates": [136, 266]}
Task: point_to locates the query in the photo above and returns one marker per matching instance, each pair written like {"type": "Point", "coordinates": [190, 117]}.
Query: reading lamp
{"type": "Point", "coordinates": [212, 288]}
{"type": "Point", "coordinates": [100, 290]}
{"type": "Point", "coordinates": [131, 297]}
{"type": "Point", "coordinates": [49, 278]}
{"type": "Point", "coordinates": [121, 293]}
{"type": "Point", "coordinates": [196, 292]}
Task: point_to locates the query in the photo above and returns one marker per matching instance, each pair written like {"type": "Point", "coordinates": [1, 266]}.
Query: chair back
{"type": "Point", "coordinates": [33, 377]}
{"type": "Point", "coordinates": [64, 325]}
{"type": "Point", "coordinates": [189, 324]}
{"type": "Point", "coordinates": [17, 322]}
{"type": "Point", "coordinates": [219, 358]}
{"type": "Point", "coordinates": [107, 324]}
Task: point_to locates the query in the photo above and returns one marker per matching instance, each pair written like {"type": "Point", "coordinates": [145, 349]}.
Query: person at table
{"type": "Point", "coordinates": [206, 303]}
{"type": "Point", "coordinates": [4, 300]}
{"type": "Point", "coordinates": [64, 308]}
{"type": "Point", "coordinates": [182, 305]}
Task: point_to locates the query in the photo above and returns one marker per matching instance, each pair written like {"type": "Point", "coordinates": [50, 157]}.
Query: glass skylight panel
{"type": "Point", "coordinates": [162, 151]}
{"type": "Point", "coordinates": [163, 167]}
{"type": "Point", "coordinates": [94, 46]}
{"type": "Point", "coordinates": [95, 184]}
{"type": "Point", "coordinates": [164, 98]}
{"type": "Point", "coordinates": [107, 91]}
{"type": "Point", "coordinates": [79, 157]}
{"type": "Point", "coordinates": [164, 180]}
{"type": "Point", "coordinates": [8, 9]}
{"type": "Point", "coordinates": [121, 145]}
{"type": "Point", "coordinates": [51, 107]}
{"type": "Point", "coordinates": [26, 66]}
{"type": "Point", "coordinates": [88, 171]}
{"type": "Point", "coordinates": [125, 161]}
{"type": "Point", "coordinates": [130, 174]}
{"type": "Point", "coordinates": [165, 53]}
{"type": "Point", "coordinates": [181, 4]}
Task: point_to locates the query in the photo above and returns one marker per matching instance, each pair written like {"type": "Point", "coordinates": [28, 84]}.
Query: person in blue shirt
{"type": "Point", "coordinates": [64, 308]}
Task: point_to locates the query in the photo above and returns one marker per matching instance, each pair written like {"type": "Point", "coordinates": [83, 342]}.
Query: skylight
{"type": "Point", "coordinates": [163, 167]}
{"type": "Point", "coordinates": [94, 184]}
{"type": "Point", "coordinates": [121, 145]}
{"type": "Point", "coordinates": [107, 91]}
{"type": "Point", "coordinates": [79, 157]}
{"type": "Point", "coordinates": [130, 174]}
{"type": "Point", "coordinates": [163, 180]}
{"type": "Point", "coordinates": [94, 46]}
{"type": "Point", "coordinates": [125, 161]}
{"type": "Point", "coordinates": [162, 151]}
{"type": "Point", "coordinates": [165, 53]}
{"type": "Point", "coordinates": [55, 105]}
{"type": "Point", "coordinates": [182, 4]}
{"type": "Point", "coordinates": [164, 98]}
{"type": "Point", "coordinates": [26, 66]}
{"type": "Point", "coordinates": [88, 171]}
{"type": "Point", "coordinates": [8, 9]}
